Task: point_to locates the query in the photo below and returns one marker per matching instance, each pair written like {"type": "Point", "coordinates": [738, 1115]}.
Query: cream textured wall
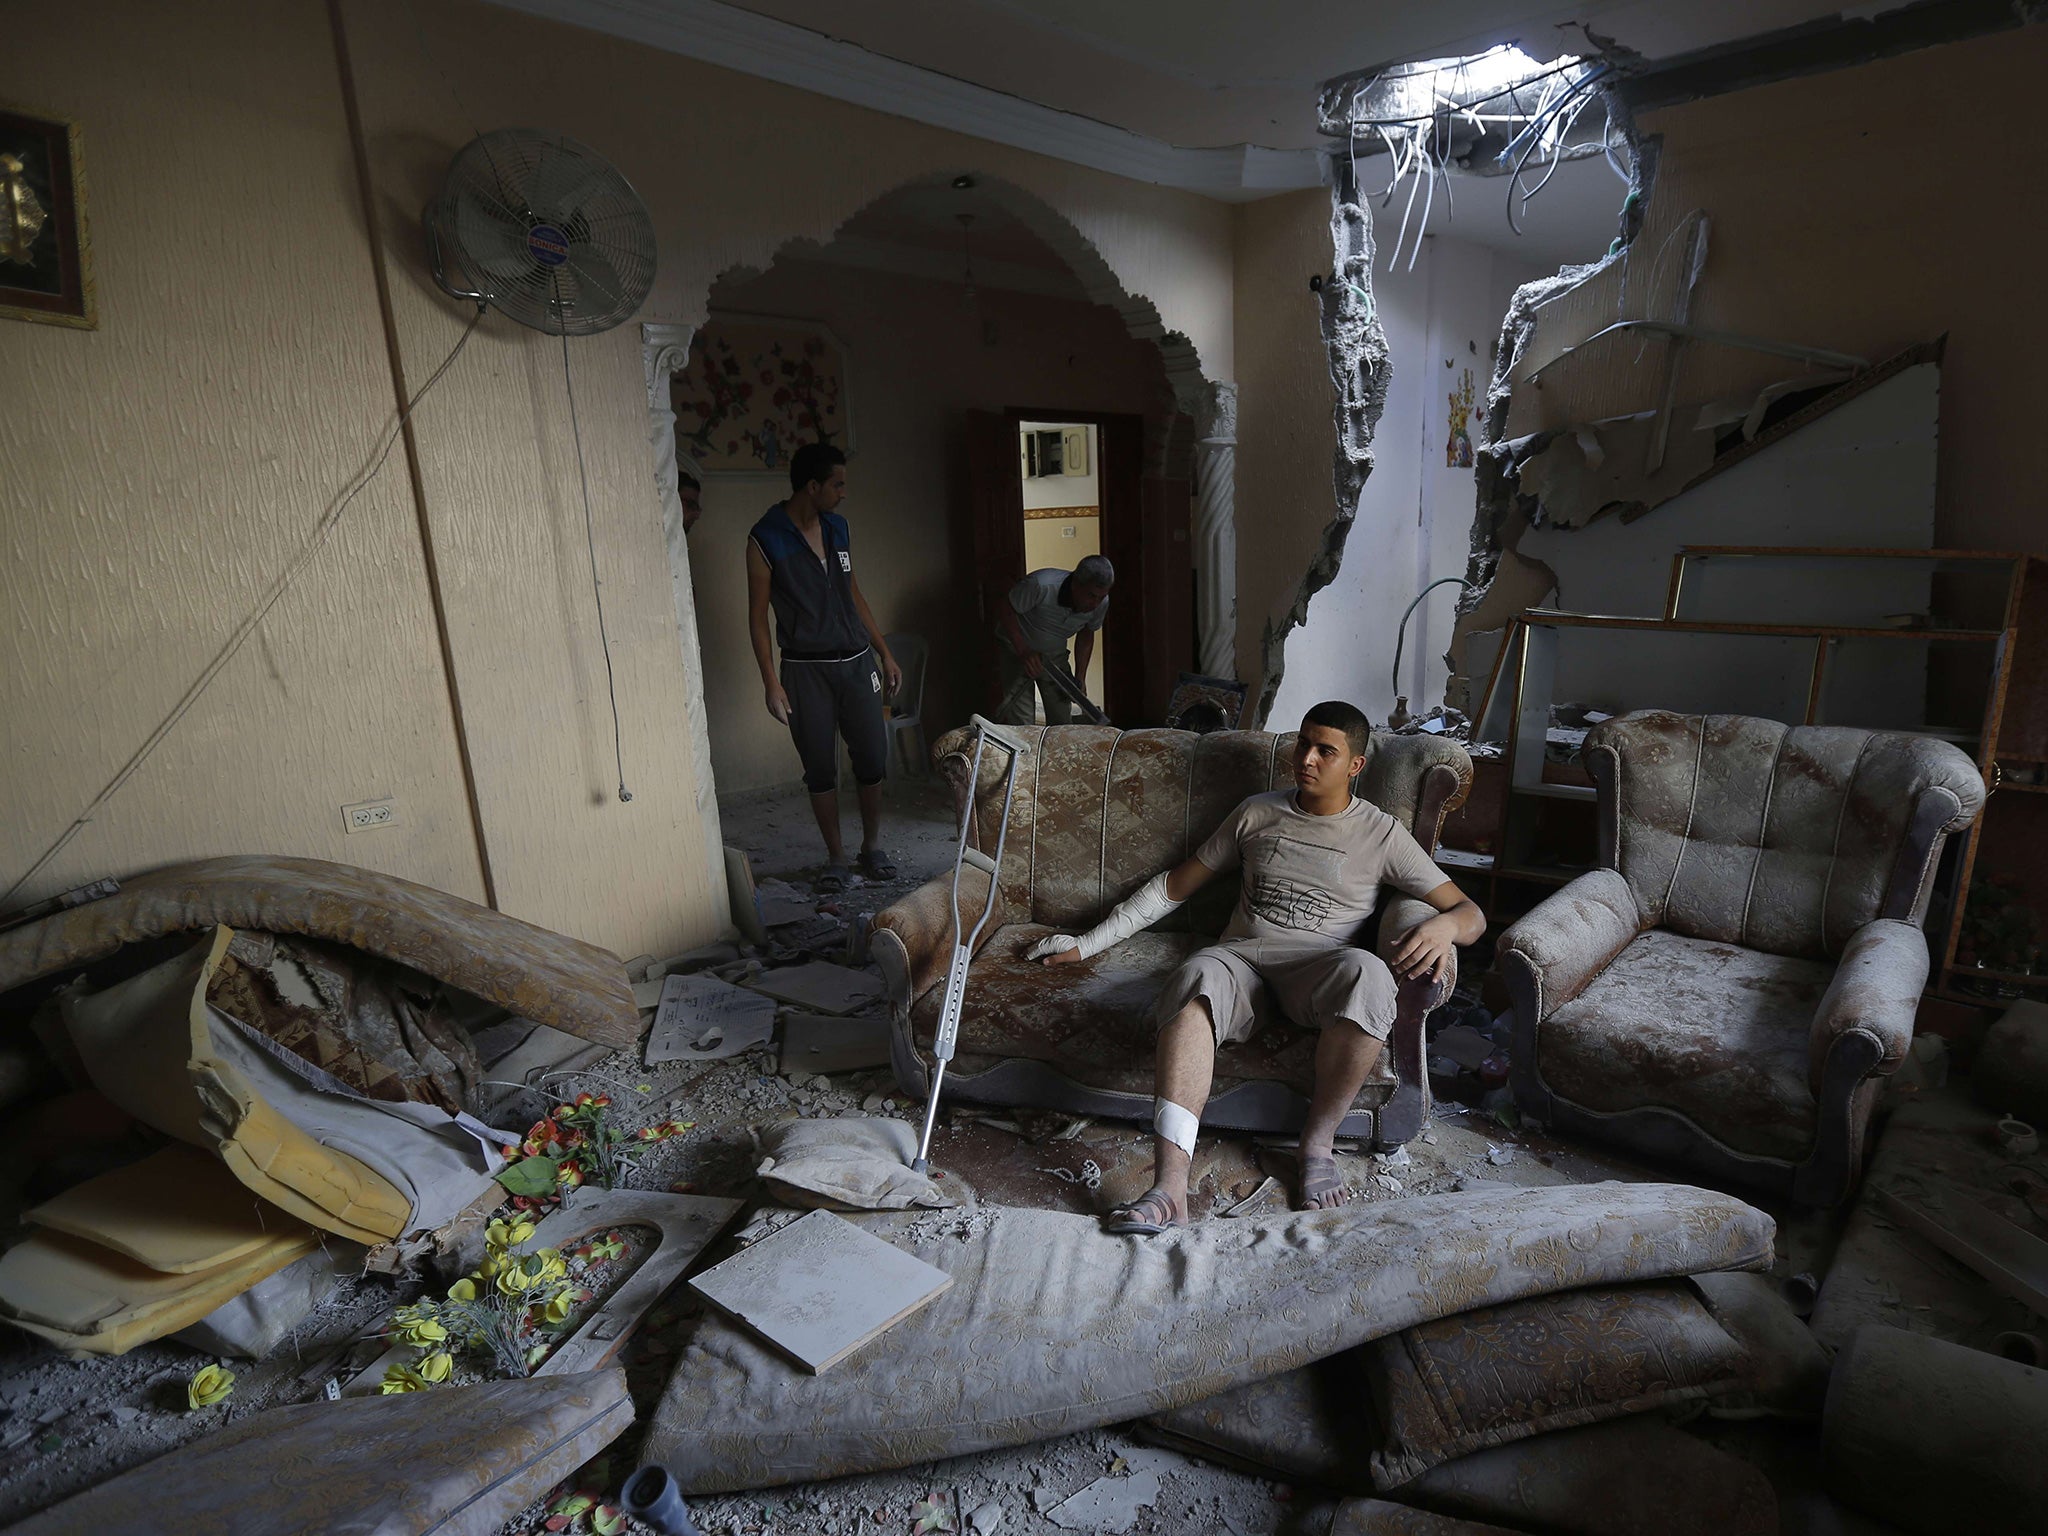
{"type": "Point", "coordinates": [916, 364]}
{"type": "Point", "coordinates": [1286, 438]}
{"type": "Point", "coordinates": [162, 470]}
{"type": "Point", "coordinates": [176, 456]}
{"type": "Point", "coordinates": [1845, 217]}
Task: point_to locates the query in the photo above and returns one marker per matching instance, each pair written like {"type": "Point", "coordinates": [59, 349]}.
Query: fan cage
{"type": "Point", "coordinates": [544, 229]}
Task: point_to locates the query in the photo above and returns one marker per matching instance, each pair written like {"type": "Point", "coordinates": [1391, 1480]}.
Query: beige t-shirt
{"type": "Point", "coordinates": [1313, 877]}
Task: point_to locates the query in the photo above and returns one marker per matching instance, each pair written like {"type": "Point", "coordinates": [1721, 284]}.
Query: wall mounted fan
{"type": "Point", "coordinates": [543, 229]}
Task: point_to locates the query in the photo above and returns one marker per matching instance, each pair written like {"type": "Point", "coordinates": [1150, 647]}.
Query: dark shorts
{"type": "Point", "coordinates": [831, 699]}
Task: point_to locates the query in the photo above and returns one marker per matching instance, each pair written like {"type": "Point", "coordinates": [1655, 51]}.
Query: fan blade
{"type": "Point", "coordinates": [561, 183]}
{"type": "Point", "coordinates": [599, 279]}
{"type": "Point", "coordinates": [496, 246]}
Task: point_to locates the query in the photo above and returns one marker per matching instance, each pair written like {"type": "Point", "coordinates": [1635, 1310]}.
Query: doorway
{"type": "Point", "coordinates": [1059, 464]}
{"type": "Point", "coordinates": [1141, 525]}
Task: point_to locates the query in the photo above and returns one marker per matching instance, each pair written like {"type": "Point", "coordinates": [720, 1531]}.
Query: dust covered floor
{"type": "Point", "coordinates": [65, 1426]}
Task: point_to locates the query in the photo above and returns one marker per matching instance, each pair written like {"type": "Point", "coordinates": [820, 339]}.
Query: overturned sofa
{"type": "Point", "coordinates": [1096, 812]}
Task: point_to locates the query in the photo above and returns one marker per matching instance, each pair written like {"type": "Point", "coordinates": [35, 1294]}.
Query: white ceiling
{"type": "Point", "coordinates": [1214, 96]}
{"type": "Point", "coordinates": [1200, 73]}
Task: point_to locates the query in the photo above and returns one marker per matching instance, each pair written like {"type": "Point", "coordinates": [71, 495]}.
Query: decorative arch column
{"type": "Point", "coordinates": [1216, 527]}
{"type": "Point", "coordinates": [665, 352]}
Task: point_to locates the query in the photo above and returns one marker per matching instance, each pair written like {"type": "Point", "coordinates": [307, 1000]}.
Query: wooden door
{"type": "Point", "coordinates": [1127, 635]}
{"type": "Point", "coordinates": [993, 537]}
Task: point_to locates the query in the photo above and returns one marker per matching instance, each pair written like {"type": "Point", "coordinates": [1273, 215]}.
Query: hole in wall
{"type": "Point", "coordinates": [1464, 184]}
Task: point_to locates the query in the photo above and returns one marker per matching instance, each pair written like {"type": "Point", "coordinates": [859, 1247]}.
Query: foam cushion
{"type": "Point", "coordinates": [852, 1163]}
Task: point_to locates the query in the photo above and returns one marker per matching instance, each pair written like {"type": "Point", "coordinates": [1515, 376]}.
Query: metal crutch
{"type": "Point", "coordinates": [963, 944]}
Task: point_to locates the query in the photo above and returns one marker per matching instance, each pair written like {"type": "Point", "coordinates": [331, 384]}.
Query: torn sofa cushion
{"type": "Point", "coordinates": [538, 975]}
{"type": "Point", "coordinates": [1445, 1388]}
{"type": "Point", "coordinates": [456, 1461]}
{"type": "Point", "coordinates": [852, 1163]}
{"type": "Point", "coordinates": [1054, 1326]}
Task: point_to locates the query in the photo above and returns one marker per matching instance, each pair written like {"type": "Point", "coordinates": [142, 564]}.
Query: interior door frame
{"type": "Point", "coordinates": [1120, 476]}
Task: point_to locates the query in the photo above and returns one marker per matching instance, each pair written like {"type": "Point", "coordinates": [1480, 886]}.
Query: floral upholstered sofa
{"type": "Point", "coordinates": [1096, 812]}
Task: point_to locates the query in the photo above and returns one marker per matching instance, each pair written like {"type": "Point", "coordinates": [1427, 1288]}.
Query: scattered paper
{"type": "Point", "coordinates": [704, 1019]}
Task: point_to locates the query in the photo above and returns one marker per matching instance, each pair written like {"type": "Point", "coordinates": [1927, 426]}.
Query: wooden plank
{"type": "Point", "coordinates": [2014, 1261]}
{"type": "Point", "coordinates": [820, 1288]}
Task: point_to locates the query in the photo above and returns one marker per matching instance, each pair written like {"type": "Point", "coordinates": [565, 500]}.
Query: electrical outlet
{"type": "Point", "coordinates": [369, 815]}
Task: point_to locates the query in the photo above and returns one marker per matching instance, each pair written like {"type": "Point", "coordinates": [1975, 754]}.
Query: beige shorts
{"type": "Point", "coordinates": [1247, 981]}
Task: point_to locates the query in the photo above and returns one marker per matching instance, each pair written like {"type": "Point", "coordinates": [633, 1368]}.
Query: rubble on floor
{"type": "Point", "coordinates": [749, 1127]}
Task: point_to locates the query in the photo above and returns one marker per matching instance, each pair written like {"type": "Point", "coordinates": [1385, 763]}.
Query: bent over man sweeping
{"type": "Point", "coordinates": [1313, 858]}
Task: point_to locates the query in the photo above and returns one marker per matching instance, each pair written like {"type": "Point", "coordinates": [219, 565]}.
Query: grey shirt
{"type": "Point", "coordinates": [1047, 622]}
{"type": "Point", "coordinates": [1314, 878]}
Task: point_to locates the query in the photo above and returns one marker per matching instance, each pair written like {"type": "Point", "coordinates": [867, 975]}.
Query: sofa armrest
{"type": "Point", "coordinates": [912, 939]}
{"type": "Point", "coordinates": [1402, 1117]}
{"type": "Point", "coordinates": [1557, 949]}
{"type": "Point", "coordinates": [1875, 992]}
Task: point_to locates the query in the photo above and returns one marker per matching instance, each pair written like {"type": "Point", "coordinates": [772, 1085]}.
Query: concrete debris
{"type": "Point", "coordinates": [1107, 1504]}
{"type": "Point", "coordinates": [822, 987]}
{"type": "Point", "coordinates": [1500, 1157]}
{"type": "Point", "coordinates": [816, 1042]}
{"type": "Point", "coordinates": [781, 903]}
{"type": "Point", "coordinates": [984, 1518]}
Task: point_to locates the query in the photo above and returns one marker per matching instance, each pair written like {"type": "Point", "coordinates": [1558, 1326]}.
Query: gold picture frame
{"type": "Point", "coordinates": [45, 238]}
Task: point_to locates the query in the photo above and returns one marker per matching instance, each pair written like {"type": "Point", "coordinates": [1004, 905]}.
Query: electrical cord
{"type": "Point", "coordinates": [248, 626]}
{"type": "Point", "coordinates": [596, 588]}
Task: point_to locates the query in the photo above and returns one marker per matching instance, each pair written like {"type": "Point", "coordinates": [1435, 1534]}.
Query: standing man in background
{"type": "Point", "coordinates": [836, 669]}
{"type": "Point", "coordinates": [1033, 627]}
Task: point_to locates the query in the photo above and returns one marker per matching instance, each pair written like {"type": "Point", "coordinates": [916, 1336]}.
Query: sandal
{"type": "Point", "coordinates": [831, 880]}
{"type": "Point", "coordinates": [1323, 1188]}
{"type": "Point", "coordinates": [1147, 1216]}
{"type": "Point", "coordinates": [877, 865]}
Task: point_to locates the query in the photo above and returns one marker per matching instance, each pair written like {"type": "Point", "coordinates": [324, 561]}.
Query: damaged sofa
{"type": "Point", "coordinates": [1734, 982]}
{"type": "Point", "coordinates": [1096, 812]}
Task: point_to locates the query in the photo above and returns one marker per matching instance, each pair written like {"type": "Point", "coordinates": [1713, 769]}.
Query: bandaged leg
{"type": "Point", "coordinates": [1177, 1125]}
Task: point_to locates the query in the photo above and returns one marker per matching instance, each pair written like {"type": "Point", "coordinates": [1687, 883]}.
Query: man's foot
{"type": "Point", "coordinates": [877, 865]}
{"type": "Point", "coordinates": [1153, 1212]}
{"type": "Point", "coordinates": [1322, 1186]}
{"type": "Point", "coordinates": [832, 878]}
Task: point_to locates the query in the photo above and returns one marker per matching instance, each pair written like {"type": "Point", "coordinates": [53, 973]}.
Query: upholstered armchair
{"type": "Point", "coordinates": [1734, 982]}
{"type": "Point", "coordinates": [1096, 813]}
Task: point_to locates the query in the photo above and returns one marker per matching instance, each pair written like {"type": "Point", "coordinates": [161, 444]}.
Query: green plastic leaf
{"type": "Point", "coordinates": [533, 1176]}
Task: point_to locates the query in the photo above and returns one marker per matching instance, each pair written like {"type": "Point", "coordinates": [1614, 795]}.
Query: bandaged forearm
{"type": "Point", "coordinates": [1141, 909]}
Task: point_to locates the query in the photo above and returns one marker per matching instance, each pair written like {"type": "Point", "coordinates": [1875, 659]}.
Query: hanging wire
{"type": "Point", "coordinates": [596, 587]}
{"type": "Point", "coordinates": [235, 641]}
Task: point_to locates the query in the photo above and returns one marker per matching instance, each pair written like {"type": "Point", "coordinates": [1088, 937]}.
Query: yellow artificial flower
{"type": "Point", "coordinates": [402, 1378]}
{"type": "Point", "coordinates": [513, 1281]}
{"type": "Point", "coordinates": [463, 1290]}
{"type": "Point", "coordinates": [559, 1306]}
{"type": "Point", "coordinates": [552, 1266]}
{"type": "Point", "coordinates": [209, 1384]}
{"type": "Point", "coordinates": [420, 1332]}
{"type": "Point", "coordinates": [435, 1367]}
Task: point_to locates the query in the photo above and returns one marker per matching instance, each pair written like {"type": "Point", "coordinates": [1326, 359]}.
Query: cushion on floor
{"type": "Point", "coordinates": [1636, 1476]}
{"type": "Point", "coordinates": [847, 1163]}
{"type": "Point", "coordinates": [1445, 1388]}
{"type": "Point", "coordinates": [1053, 1326]}
{"type": "Point", "coordinates": [1094, 1022]}
{"type": "Point", "coordinates": [1376, 1517]}
{"type": "Point", "coordinates": [451, 1461]}
{"type": "Point", "coordinates": [1715, 1032]}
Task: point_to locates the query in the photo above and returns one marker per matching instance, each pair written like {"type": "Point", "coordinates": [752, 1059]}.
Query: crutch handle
{"type": "Point", "coordinates": [997, 734]}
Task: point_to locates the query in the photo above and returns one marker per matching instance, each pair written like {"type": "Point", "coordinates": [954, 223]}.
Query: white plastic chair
{"type": "Point", "coordinates": [907, 704]}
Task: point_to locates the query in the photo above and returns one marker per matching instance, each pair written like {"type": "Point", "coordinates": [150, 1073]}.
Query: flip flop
{"type": "Point", "coordinates": [1320, 1181]}
{"type": "Point", "coordinates": [877, 865]}
{"type": "Point", "coordinates": [831, 880]}
{"type": "Point", "coordinates": [1135, 1219]}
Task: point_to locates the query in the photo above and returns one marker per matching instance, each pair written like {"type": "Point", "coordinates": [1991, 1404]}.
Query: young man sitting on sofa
{"type": "Point", "coordinates": [1314, 858]}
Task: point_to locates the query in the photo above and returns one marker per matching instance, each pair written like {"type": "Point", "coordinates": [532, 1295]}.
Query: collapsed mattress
{"type": "Point", "coordinates": [1051, 1326]}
